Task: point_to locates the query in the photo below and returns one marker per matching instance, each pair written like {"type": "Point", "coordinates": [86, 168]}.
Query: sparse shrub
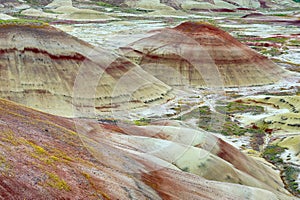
{"type": "Point", "coordinates": [273, 51]}
{"type": "Point", "coordinates": [104, 4]}
{"type": "Point", "coordinates": [272, 154]}
{"type": "Point", "coordinates": [291, 174]}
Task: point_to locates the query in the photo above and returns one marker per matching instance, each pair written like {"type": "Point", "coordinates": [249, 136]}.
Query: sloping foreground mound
{"type": "Point", "coordinates": [45, 68]}
{"type": "Point", "coordinates": [200, 54]}
{"type": "Point", "coordinates": [42, 157]}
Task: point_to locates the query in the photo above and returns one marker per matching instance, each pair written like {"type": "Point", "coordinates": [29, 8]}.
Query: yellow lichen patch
{"type": "Point", "coordinates": [4, 165]}
{"type": "Point", "coordinates": [2, 159]}
{"type": "Point", "coordinates": [105, 196]}
{"type": "Point", "coordinates": [50, 160]}
{"type": "Point", "coordinates": [55, 181]}
{"type": "Point", "coordinates": [41, 154]}
{"type": "Point", "coordinates": [54, 158]}
{"type": "Point", "coordinates": [252, 152]}
{"type": "Point", "coordinates": [86, 175]}
{"type": "Point", "coordinates": [62, 155]}
{"type": "Point", "coordinates": [95, 186]}
{"type": "Point", "coordinates": [9, 137]}
{"type": "Point", "coordinates": [38, 149]}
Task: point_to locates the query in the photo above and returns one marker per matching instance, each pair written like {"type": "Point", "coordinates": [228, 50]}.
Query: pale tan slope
{"type": "Point", "coordinates": [292, 103]}
{"type": "Point", "coordinates": [58, 3]}
{"type": "Point", "coordinates": [288, 121]}
{"type": "Point", "coordinates": [45, 68]}
{"type": "Point", "coordinates": [195, 5]}
{"type": "Point", "coordinates": [292, 142]}
{"type": "Point", "coordinates": [148, 5]}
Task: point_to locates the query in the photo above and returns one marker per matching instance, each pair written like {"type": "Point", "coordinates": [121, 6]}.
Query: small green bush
{"type": "Point", "coordinates": [142, 122]}
{"type": "Point", "coordinates": [291, 174]}
{"type": "Point", "coordinates": [104, 4]}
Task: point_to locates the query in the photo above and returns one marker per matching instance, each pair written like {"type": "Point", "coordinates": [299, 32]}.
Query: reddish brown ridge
{"type": "Point", "coordinates": [195, 28]}
{"type": "Point", "coordinates": [75, 56]}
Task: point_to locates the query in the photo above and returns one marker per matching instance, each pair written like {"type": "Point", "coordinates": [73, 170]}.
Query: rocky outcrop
{"type": "Point", "coordinates": [218, 4]}
{"type": "Point", "coordinates": [6, 17]}
{"type": "Point", "coordinates": [278, 4]}
{"type": "Point", "coordinates": [59, 3]}
{"type": "Point", "coordinates": [200, 54]}
{"type": "Point", "coordinates": [148, 5]}
{"type": "Point", "coordinates": [49, 157]}
{"type": "Point", "coordinates": [47, 69]}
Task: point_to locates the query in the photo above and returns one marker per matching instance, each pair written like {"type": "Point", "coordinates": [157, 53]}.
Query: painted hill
{"type": "Point", "coordinates": [200, 54]}
{"type": "Point", "coordinates": [49, 157]}
{"type": "Point", "coordinates": [204, 4]}
{"type": "Point", "coordinates": [45, 68]}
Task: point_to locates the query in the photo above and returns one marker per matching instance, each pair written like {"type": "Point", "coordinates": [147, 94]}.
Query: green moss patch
{"type": "Point", "coordinates": [27, 22]}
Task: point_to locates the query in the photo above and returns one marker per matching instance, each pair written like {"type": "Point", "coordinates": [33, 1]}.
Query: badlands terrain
{"type": "Point", "coordinates": [149, 99]}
